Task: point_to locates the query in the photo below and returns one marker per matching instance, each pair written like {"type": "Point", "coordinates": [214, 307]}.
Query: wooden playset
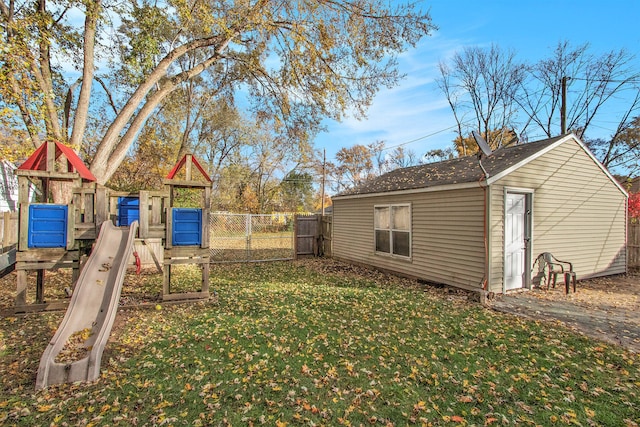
{"type": "Point", "coordinates": [53, 236]}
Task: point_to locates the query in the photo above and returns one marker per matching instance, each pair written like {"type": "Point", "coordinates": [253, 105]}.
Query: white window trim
{"type": "Point", "coordinates": [391, 230]}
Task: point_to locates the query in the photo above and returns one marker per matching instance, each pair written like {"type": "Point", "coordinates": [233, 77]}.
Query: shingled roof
{"type": "Point", "coordinates": [450, 172]}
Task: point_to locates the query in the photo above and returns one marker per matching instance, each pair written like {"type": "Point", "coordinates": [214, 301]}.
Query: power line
{"type": "Point", "coordinates": [584, 79]}
{"type": "Point", "coordinates": [423, 137]}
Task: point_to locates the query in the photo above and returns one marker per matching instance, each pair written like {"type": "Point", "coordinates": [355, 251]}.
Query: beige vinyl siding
{"type": "Point", "coordinates": [447, 235]}
{"type": "Point", "coordinates": [579, 214]}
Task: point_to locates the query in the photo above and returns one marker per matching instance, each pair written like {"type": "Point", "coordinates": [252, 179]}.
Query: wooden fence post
{"type": "Point", "coordinates": [295, 236]}
{"type": "Point", "coordinates": [633, 245]}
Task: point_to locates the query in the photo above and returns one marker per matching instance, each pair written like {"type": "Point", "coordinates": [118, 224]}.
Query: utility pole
{"type": "Point", "coordinates": [563, 106]}
{"type": "Point", "coordinates": [324, 161]}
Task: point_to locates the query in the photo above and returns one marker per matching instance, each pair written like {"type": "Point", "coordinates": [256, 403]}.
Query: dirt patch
{"type": "Point", "coordinates": [605, 308]}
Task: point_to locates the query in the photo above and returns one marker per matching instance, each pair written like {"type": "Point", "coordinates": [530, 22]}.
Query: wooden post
{"type": "Point", "coordinates": [166, 278]}
{"type": "Point", "coordinates": [89, 205]}
{"type": "Point", "coordinates": [23, 189]}
{"type": "Point", "coordinates": [317, 242]}
{"type": "Point", "coordinates": [206, 221]}
{"type": "Point", "coordinates": [51, 157]}
{"type": "Point", "coordinates": [6, 241]}
{"type": "Point", "coordinates": [295, 236]}
{"type": "Point", "coordinates": [169, 226]}
{"type": "Point", "coordinates": [156, 210]}
{"type": "Point", "coordinates": [102, 207]}
{"type": "Point", "coordinates": [23, 213]}
{"type": "Point", "coordinates": [23, 227]}
{"type": "Point", "coordinates": [21, 289]}
{"type": "Point", "coordinates": [205, 276]}
{"type": "Point", "coordinates": [71, 226]}
{"type": "Point", "coordinates": [75, 272]}
{"type": "Point", "coordinates": [40, 287]}
{"type": "Point", "coordinates": [187, 167]}
{"type": "Point", "coordinates": [143, 205]}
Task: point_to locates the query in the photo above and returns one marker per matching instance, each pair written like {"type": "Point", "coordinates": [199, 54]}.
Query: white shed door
{"type": "Point", "coordinates": [514, 241]}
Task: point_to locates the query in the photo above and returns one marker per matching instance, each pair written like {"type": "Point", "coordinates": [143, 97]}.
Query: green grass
{"type": "Point", "coordinates": [321, 343]}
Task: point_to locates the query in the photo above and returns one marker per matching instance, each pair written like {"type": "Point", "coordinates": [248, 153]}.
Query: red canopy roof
{"type": "Point", "coordinates": [181, 163]}
{"type": "Point", "coordinates": [38, 160]}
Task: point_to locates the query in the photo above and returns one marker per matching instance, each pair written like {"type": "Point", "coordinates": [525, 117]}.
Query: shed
{"type": "Point", "coordinates": [479, 223]}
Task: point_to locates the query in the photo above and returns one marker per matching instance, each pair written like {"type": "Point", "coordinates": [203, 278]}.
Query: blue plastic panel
{"type": "Point", "coordinates": [128, 211]}
{"type": "Point", "coordinates": [47, 226]}
{"type": "Point", "coordinates": [186, 227]}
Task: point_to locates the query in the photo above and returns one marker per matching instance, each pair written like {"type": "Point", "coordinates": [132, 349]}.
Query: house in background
{"type": "Point", "coordinates": [479, 223]}
{"type": "Point", "coordinates": [9, 187]}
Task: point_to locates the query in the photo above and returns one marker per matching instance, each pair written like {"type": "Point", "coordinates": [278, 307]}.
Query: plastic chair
{"type": "Point", "coordinates": [549, 267]}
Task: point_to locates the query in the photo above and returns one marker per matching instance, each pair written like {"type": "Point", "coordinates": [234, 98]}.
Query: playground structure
{"type": "Point", "coordinates": [187, 229]}
{"type": "Point", "coordinates": [53, 236]}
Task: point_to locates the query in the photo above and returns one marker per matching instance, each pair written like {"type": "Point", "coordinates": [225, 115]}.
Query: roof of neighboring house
{"type": "Point", "coordinates": [459, 171]}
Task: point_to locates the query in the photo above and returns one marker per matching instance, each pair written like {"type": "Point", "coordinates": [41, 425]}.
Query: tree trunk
{"type": "Point", "coordinates": [45, 80]}
{"type": "Point", "coordinates": [104, 158]}
{"type": "Point", "coordinates": [154, 100]}
{"type": "Point", "coordinates": [80, 118]}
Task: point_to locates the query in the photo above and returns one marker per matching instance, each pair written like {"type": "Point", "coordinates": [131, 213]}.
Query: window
{"type": "Point", "coordinates": [392, 224]}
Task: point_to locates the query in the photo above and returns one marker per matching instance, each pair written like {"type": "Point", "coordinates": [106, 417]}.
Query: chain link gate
{"type": "Point", "coordinates": [251, 237]}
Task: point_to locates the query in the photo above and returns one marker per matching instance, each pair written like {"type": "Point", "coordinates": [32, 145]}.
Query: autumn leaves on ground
{"type": "Point", "coordinates": [322, 343]}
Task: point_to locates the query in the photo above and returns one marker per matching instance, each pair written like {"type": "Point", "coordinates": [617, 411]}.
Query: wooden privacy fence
{"type": "Point", "coordinates": [313, 235]}
{"type": "Point", "coordinates": [8, 240]}
{"type": "Point", "coordinates": [633, 245]}
{"type": "Point", "coordinates": [8, 230]}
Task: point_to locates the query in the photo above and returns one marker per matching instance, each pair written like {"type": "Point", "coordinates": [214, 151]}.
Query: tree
{"type": "Point", "coordinates": [296, 192]}
{"type": "Point", "coordinates": [250, 180]}
{"type": "Point", "coordinates": [149, 163]}
{"type": "Point", "coordinates": [591, 82]}
{"type": "Point", "coordinates": [299, 61]}
{"type": "Point", "coordinates": [439, 155]}
{"type": "Point", "coordinates": [402, 158]}
{"type": "Point", "coordinates": [359, 163]}
{"type": "Point", "coordinates": [622, 150]}
{"type": "Point", "coordinates": [232, 190]}
{"type": "Point", "coordinates": [484, 87]}
{"type": "Point", "coordinates": [318, 201]}
{"type": "Point", "coordinates": [10, 145]}
{"type": "Point", "coordinates": [355, 165]}
{"type": "Point", "coordinates": [222, 134]}
{"type": "Point", "coordinates": [480, 87]}
{"type": "Point", "coordinates": [634, 207]}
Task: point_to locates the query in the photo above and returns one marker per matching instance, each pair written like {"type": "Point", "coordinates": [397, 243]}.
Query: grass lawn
{"type": "Point", "coordinates": [321, 343]}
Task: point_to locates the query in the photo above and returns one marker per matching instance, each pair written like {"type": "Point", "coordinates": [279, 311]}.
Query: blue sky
{"type": "Point", "coordinates": [416, 109]}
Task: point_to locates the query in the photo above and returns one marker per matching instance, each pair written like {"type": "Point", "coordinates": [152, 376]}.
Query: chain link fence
{"type": "Point", "coordinates": [251, 238]}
